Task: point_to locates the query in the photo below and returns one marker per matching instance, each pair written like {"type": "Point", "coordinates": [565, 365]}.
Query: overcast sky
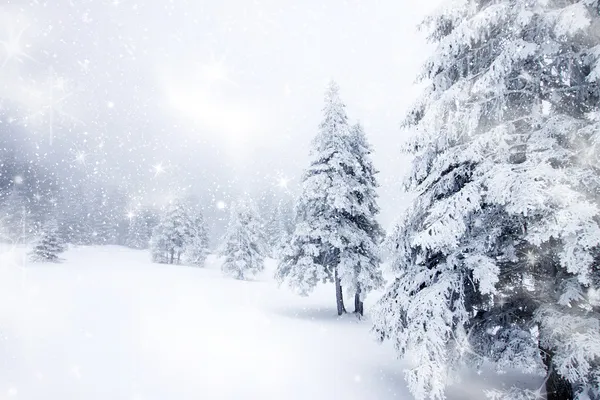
{"type": "Point", "coordinates": [223, 95]}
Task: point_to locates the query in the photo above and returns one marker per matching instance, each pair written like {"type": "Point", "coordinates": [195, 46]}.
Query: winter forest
{"type": "Point", "coordinates": [300, 200]}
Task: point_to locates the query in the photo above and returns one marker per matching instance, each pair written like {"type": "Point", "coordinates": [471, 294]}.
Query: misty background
{"type": "Point", "coordinates": [206, 98]}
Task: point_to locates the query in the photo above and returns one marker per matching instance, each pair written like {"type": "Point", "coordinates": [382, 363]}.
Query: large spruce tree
{"type": "Point", "coordinates": [335, 236]}
{"type": "Point", "coordinates": [497, 258]}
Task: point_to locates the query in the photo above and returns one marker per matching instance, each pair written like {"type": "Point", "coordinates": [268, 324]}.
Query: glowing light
{"type": "Point", "coordinates": [198, 98]}
{"type": "Point", "coordinates": [502, 302]}
{"type": "Point", "coordinates": [80, 157]}
{"type": "Point", "coordinates": [531, 258]}
{"type": "Point", "coordinates": [110, 104]}
{"type": "Point", "coordinates": [221, 205]}
{"type": "Point", "coordinates": [130, 215]}
{"type": "Point", "coordinates": [13, 48]}
{"type": "Point", "coordinates": [283, 182]}
{"type": "Point", "coordinates": [158, 169]}
{"type": "Point", "coordinates": [18, 180]}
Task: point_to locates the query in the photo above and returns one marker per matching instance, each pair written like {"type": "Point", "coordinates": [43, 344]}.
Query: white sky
{"type": "Point", "coordinates": [222, 93]}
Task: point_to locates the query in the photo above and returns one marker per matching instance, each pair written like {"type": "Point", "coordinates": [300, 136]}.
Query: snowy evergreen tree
{"type": "Point", "coordinates": [159, 246]}
{"type": "Point", "coordinates": [364, 271]}
{"type": "Point", "coordinates": [49, 245]}
{"type": "Point", "coordinates": [141, 225]}
{"type": "Point", "coordinates": [171, 234]}
{"type": "Point", "coordinates": [196, 247]}
{"type": "Point", "coordinates": [498, 257]}
{"type": "Point", "coordinates": [281, 227]}
{"type": "Point", "coordinates": [335, 237]}
{"type": "Point", "coordinates": [244, 244]}
{"type": "Point", "coordinates": [272, 232]}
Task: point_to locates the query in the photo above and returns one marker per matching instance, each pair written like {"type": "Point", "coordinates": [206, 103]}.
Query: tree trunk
{"type": "Point", "coordinates": [358, 304]}
{"type": "Point", "coordinates": [557, 388]}
{"type": "Point", "coordinates": [172, 256]}
{"type": "Point", "coordinates": [338, 294]}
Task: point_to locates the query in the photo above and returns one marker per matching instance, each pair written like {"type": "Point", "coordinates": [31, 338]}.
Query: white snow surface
{"type": "Point", "coordinates": [108, 324]}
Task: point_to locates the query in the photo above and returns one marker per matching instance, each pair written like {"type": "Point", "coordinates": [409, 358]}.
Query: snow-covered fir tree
{"type": "Point", "coordinates": [498, 257]}
{"type": "Point", "coordinates": [335, 237]}
{"type": "Point", "coordinates": [364, 271]}
{"type": "Point", "coordinates": [140, 228]}
{"type": "Point", "coordinates": [196, 247]}
{"type": "Point", "coordinates": [171, 235]}
{"type": "Point", "coordinates": [49, 245]}
{"type": "Point", "coordinates": [244, 245]}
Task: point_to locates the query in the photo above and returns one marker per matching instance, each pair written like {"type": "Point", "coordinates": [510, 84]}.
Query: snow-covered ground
{"type": "Point", "coordinates": [108, 324]}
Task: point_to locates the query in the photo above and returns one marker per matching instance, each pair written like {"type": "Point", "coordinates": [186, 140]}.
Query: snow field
{"type": "Point", "coordinates": [108, 324]}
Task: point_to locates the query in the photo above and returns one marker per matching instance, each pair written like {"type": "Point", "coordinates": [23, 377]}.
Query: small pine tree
{"type": "Point", "coordinates": [49, 245]}
{"type": "Point", "coordinates": [244, 245]}
{"type": "Point", "coordinates": [171, 234]}
{"type": "Point", "coordinates": [196, 248]}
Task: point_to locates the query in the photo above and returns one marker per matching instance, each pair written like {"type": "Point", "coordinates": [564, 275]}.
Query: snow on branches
{"type": "Point", "coordinates": [503, 238]}
{"type": "Point", "coordinates": [337, 235]}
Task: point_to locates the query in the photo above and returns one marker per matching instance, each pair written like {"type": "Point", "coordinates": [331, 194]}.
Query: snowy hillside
{"type": "Point", "coordinates": [108, 324]}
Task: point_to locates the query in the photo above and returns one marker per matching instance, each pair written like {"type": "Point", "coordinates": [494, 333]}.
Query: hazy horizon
{"type": "Point", "coordinates": [214, 98]}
